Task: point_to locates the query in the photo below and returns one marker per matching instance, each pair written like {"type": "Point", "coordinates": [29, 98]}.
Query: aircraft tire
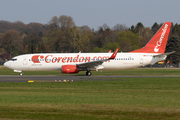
{"type": "Point", "coordinates": [88, 73]}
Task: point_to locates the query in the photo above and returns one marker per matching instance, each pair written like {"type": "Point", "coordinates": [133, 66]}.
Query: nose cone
{"type": "Point", "coordinates": [7, 64]}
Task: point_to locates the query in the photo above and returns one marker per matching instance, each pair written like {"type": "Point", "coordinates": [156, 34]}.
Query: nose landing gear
{"type": "Point", "coordinates": [21, 74]}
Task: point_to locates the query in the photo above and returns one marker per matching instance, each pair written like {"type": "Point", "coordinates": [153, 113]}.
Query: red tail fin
{"type": "Point", "coordinates": [157, 44]}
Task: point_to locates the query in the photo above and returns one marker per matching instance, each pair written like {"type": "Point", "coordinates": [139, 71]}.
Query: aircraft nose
{"type": "Point", "coordinates": [7, 64]}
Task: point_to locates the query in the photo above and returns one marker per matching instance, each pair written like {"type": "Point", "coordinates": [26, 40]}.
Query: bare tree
{"type": "Point", "coordinates": [146, 34]}
{"type": "Point", "coordinates": [120, 27]}
{"type": "Point", "coordinates": [11, 41]}
{"type": "Point", "coordinates": [105, 26]}
{"type": "Point", "coordinates": [66, 22]}
{"type": "Point", "coordinates": [34, 42]}
{"type": "Point", "coordinates": [53, 23]}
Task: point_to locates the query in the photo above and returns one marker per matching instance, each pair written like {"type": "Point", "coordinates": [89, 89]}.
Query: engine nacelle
{"type": "Point", "coordinates": [69, 69]}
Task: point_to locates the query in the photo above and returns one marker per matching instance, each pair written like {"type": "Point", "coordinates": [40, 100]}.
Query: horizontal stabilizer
{"type": "Point", "coordinates": [159, 55]}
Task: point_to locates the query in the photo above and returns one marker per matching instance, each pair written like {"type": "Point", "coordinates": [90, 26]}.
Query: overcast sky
{"type": "Point", "coordinates": [93, 13]}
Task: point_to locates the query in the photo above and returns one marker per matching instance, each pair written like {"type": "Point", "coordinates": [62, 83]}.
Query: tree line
{"type": "Point", "coordinates": [61, 35]}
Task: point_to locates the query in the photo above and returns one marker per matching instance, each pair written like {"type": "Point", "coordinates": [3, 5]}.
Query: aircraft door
{"type": "Point", "coordinates": [141, 59]}
{"type": "Point", "coordinates": [25, 60]}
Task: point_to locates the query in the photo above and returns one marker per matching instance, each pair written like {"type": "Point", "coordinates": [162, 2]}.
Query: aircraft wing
{"type": "Point", "coordinates": [160, 55]}
{"type": "Point", "coordinates": [93, 64]}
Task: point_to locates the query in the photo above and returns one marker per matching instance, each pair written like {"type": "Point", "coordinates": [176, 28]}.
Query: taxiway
{"type": "Point", "coordinates": [54, 78]}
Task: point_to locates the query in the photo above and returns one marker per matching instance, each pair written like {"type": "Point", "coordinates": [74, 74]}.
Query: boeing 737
{"type": "Point", "coordinates": [151, 53]}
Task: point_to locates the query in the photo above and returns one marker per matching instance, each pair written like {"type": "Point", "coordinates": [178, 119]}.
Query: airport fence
{"type": "Point", "coordinates": [162, 66]}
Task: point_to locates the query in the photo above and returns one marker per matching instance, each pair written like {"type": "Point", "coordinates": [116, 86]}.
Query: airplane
{"type": "Point", "coordinates": [67, 63]}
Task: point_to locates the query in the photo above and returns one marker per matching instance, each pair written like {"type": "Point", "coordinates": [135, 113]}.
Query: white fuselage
{"type": "Point", "coordinates": [54, 61]}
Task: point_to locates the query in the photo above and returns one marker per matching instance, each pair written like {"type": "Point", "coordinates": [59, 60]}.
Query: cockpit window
{"type": "Point", "coordinates": [13, 59]}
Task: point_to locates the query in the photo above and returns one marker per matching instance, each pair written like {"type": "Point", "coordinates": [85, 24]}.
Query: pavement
{"type": "Point", "coordinates": [55, 78]}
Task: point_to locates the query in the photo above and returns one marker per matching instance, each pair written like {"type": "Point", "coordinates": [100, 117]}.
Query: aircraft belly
{"type": "Point", "coordinates": [43, 67]}
{"type": "Point", "coordinates": [120, 65]}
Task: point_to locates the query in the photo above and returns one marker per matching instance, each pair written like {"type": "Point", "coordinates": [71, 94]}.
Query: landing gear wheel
{"type": "Point", "coordinates": [21, 74]}
{"type": "Point", "coordinates": [88, 73]}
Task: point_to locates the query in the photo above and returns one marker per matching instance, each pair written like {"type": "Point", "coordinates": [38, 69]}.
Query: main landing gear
{"type": "Point", "coordinates": [88, 73]}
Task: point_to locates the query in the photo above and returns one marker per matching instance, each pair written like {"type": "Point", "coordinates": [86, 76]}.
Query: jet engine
{"type": "Point", "coordinates": [69, 69]}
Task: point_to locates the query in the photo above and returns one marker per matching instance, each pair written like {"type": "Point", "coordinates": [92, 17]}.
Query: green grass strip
{"type": "Point", "coordinates": [124, 98]}
{"type": "Point", "coordinates": [137, 72]}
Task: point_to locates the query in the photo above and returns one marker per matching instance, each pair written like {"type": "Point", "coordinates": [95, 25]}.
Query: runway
{"type": "Point", "coordinates": [55, 78]}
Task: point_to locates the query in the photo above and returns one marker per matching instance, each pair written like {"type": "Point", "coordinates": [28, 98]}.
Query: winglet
{"type": "Point", "coordinates": [114, 54]}
{"type": "Point", "coordinates": [109, 51]}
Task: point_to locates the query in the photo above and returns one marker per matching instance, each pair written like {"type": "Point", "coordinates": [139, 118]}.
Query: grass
{"type": "Point", "coordinates": [137, 71]}
{"type": "Point", "coordinates": [124, 99]}
{"type": "Point", "coordinates": [121, 98]}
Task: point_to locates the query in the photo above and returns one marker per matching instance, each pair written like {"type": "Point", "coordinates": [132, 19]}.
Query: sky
{"type": "Point", "coordinates": [93, 13]}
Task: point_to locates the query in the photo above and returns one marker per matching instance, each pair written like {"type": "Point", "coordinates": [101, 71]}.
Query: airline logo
{"type": "Point", "coordinates": [52, 59]}
{"type": "Point", "coordinates": [35, 58]}
{"type": "Point", "coordinates": [159, 42]}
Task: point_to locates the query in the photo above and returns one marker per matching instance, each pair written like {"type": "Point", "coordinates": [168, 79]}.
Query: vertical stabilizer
{"type": "Point", "coordinates": [158, 42]}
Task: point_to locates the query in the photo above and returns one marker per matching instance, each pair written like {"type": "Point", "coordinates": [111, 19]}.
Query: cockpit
{"type": "Point", "coordinates": [13, 59]}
